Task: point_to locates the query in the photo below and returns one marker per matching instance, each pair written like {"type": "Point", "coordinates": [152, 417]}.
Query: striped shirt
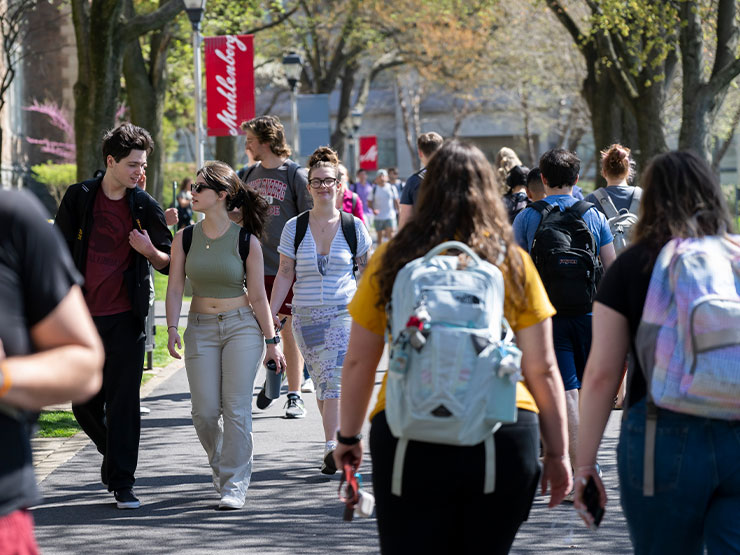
{"type": "Point", "coordinates": [338, 286]}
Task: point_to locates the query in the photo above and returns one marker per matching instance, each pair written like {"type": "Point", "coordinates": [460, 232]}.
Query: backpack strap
{"type": "Point", "coordinates": [350, 235]}
{"type": "Point", "coordinates": [581, 207]}
{"type": "Point", "coordinates": [292, 171]}
{"type": "Point", "coordinates": [606, 203]}
{"type": "Point", "coordinates": [245, 171]}
{"type": "Point", "coordinates": [244, 238]}
{"type": "Point", "coordinates": [635, 203]}
{"type": "Point", "coordinates": [651, 426]}
{"type": "Point", "coordinates": [301, 226]}
{"type": "Point", "coordinates": [354, 202]}
{"type": "Point", "coordinates": [187, 238]}
{"type": "Point", "coordinates": [398, 460]}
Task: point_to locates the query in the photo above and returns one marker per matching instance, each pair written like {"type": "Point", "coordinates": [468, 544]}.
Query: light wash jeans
{"type": "Point", "coordinates": [697, 484]}
{"type": "Point", "coordinates": [222, 355]}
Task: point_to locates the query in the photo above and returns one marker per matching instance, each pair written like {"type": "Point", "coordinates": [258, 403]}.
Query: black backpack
{"type": "Point", "coordinates": [348, 230]}
{"type": "Point", "coordinates": [564, 253]}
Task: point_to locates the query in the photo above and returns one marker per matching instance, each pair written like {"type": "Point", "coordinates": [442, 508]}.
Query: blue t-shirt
{"type": "Point", "coordinates": [528, 220]}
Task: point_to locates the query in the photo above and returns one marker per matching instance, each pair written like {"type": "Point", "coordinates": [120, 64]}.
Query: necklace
{"type": "Point", "coordinates": [220, 233]}
{"type": "Point", "coordinates": [322, 227]}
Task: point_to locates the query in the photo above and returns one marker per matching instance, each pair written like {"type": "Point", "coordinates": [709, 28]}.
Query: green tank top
{"type": "Point", "coordinates": [214, 266]}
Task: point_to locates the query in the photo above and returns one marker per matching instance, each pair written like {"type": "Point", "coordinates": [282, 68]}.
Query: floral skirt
{"type": "Point", "coordinates": [322, 335]}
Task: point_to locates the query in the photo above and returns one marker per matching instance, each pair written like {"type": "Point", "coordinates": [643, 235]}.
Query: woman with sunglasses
{"type": "Point", "coordinates": [325, 283]}
{"type": "Point", "coordinates": [228, 326]}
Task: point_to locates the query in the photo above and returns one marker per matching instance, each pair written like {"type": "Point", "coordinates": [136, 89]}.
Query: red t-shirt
{"type": "Point", "coordinates": [108, 256]}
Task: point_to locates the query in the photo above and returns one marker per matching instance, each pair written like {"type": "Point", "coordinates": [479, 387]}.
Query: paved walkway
{"type": "Point", "coordinates": [291, 507]}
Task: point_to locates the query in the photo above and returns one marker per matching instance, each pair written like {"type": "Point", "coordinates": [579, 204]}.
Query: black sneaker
{"type": "Point", "coordinates": [263, 401]}
{"type": "Point", "coordinates": [125, 499]}
{"type": "Point", "coordinates": [329, 467]}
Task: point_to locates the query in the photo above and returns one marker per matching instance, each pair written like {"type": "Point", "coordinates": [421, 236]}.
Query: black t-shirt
{"type": "Point", "coordinates": [624, 288]}
{"type": "Point", "coordinates": [411, 189]}
{"type": "Point", "coordinates": [36, 273]}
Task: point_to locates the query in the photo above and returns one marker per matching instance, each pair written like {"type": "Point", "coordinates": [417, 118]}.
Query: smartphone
{"type": "Point", "coordinates": [591, 499]}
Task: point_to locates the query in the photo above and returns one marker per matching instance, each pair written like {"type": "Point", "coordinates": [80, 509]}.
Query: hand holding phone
{"type": "Point", "coordinates": [593, 503]}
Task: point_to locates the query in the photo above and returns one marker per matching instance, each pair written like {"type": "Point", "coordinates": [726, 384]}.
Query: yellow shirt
{"type": "Point", "coordinates": [536, 308]}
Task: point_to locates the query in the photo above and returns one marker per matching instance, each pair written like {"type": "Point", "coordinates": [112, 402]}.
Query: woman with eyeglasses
{"type": "Point", "coordinates": [229, 328]}
{"type": "Point", "coordinates": [325, 282]}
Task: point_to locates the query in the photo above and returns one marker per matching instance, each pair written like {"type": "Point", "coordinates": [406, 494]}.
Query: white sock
{"type": "Point", "coordinates": [295, 393]}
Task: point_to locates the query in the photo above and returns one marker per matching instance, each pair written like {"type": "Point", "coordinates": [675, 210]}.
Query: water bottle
{"type": "Point", "coordinates": [273, 380]}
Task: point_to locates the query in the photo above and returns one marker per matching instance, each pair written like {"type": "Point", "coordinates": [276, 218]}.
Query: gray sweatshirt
{"type": "Point", "coordinates": [286, 201]}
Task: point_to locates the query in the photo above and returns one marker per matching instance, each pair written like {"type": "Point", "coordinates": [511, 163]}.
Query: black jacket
{"type": "Point", "coordinates": [75, 220]}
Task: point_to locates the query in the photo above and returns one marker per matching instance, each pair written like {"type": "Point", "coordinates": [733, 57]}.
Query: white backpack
{"type": "Point", "coordinates": [688, 340]}
{"type": "Point", "coordinates": [621, 221]}
{"type": "Point", "coordinates": [452, 378]}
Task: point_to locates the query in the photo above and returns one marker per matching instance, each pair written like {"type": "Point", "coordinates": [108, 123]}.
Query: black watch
{"type": "Point", "coordinates": [351, 440]}
{"type": "Point", "coordinates": [274, 341]}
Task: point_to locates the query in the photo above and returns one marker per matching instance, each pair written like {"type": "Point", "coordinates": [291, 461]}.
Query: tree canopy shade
{"type": "Point", "coordinates": [634, 48]}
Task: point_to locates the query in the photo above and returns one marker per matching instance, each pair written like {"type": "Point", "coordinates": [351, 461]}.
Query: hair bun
{"type": "Point", "coordinates": [323, 154]}
{"type": "Point", "coordinates": [615, 162]}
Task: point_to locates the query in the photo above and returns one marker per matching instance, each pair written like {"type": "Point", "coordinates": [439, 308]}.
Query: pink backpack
{"type": "Point", "coordinates": [688, 340]}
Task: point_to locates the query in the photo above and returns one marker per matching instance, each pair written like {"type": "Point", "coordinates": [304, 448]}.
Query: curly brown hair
{"type": "Point", "coordinates": [682, 198]}
{"type": "Point", "coordinates": [253, 207]}
{"type": "Point", "coordinates": [457, 200]}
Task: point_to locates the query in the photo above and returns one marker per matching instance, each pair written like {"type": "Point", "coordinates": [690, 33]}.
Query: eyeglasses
{"type": "Point", "coordinates": [198, 187]}
{"type": "Point", "coordinates": [317, 183]}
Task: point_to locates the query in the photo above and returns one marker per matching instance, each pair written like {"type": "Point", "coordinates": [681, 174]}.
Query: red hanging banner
{"type": "Point", "coordinates": [369, 152]}
{"type": "Point", "coordinates": [229, 83]}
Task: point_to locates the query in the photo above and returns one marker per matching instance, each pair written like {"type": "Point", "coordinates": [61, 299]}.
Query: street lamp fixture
{"type": "Point", "coordinates": [195, 9]}
{"type": "Point", "coordinates": [293, 67]}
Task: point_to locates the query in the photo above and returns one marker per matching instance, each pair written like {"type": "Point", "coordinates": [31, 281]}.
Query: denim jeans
{"type": "Point", "coordinates": [697, 484]}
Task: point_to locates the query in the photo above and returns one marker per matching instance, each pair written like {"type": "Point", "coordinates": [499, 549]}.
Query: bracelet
{"type": "Point", "coordinates": [348, 440]}
{"type": "Point", "coordinates": [7, 381]}
{"type": "Point", "coordinates": [168, 327]}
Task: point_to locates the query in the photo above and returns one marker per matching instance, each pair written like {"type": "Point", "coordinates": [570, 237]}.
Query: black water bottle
{"type": "Point", "coordinates": [273, 380]}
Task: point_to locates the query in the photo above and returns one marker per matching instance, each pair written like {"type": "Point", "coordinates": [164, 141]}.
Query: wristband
{"type": "Point", "coordinates": [350, 440]}
{"type": "Point", "coordinates": [174, 327]}
{"type": "Point", "coordinates": [7, 381]}
{"type": "Point", "coordinates": [273, 341]}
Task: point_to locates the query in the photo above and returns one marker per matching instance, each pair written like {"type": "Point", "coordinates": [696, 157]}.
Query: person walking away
{"type": "Point", "coordinates": [282, 183]}
{"type": "Point", "coordinates": [228, 327]}
{"type": "Point", "coordinates": [315, 249]}
{"type": "Point", "coordinates": [679, 443]}
{"type": "Point", "coordinates": [184, 207]}
{"type": "Point", "coordinates": [49, 351]}
{"type": "Point", "coordinates": [459, 200]}
{"type": "Point", "coordinates": [569, 242]}
{"type": "Point", "coordinates": [116, 232]}
{"type": "Point", "coordinates": [535, 188]}
{"type": "Point", "coordinates": [427, 144]}
{"type": "Point", "coordinates": [383, 201]}
{"type": "Point", "coordinates": [362, 187]}
{"type": "Point", "coordinates": [515, 199]}
{"type": "Point", "coordinates": [620, 203]}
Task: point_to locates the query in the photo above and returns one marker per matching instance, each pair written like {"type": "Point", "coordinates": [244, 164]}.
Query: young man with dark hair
{"type": "Point", "coordinates": [570, 292]}
{"type": "Point", "coordinates": [284, 184]}
{"type": "Point", "coordinates": [535, 188]}
{"type": "Point", "coordinates": [428, 144]}
{"type": "Point", "coordinates": [115, 232]}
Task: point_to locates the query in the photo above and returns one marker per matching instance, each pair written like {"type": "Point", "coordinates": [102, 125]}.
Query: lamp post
{"type": "Point", "coordinates": [293, 66]}
{"type": "Point", "coordinates": [354, 140]}
{"type": "Point", "coordinates": [195, 9]}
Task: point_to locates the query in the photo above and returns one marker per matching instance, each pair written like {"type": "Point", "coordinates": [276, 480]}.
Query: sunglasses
{"type": "Point", "coordinates": [198, 187]}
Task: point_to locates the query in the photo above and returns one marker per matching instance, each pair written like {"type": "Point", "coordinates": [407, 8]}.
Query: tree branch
{"type": "Point", "coordinates": [570, 25]}
{"type": "Point", "coordinates": [727, 35]}
{"type": "Point", "coordinates": [284, 16]}
{"type": "Point", "coordinates": [142, 24]}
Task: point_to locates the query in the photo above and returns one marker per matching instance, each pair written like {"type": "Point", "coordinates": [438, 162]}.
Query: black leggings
{"type": "Point", "coordinates": [442, 508]}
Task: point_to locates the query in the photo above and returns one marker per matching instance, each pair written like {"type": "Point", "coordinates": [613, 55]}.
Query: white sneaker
{"type": "Point", "coordinates": [308, 386]}
{"type": "Point", "coordinates": [294, 406]}
{"type": "Point", "coordinates": [229, 503]}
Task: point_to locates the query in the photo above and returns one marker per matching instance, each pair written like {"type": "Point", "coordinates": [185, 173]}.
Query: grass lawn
{"type": "Point", "coordinates": [57, 423]}
{"type": "Point", "coordinates": [160, 287]}
{"type": "Point", "coordinates": [161, 356]}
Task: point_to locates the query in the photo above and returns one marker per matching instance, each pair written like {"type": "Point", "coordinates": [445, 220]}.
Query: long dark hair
{"type": "Point", "coordinates": [458, 199]}
{"type": "Point", "coordinates": [682, 198]}
{"type": "Point", "coordinates": [253, 207]}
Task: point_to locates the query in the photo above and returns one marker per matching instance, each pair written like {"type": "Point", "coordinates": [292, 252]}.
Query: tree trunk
{"type": "Point", "coordinates": [228, 149]}
{"type": "Point", "coordinates": [611, 121]}
{"type": "Point", "coordinates": [99, 61]}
